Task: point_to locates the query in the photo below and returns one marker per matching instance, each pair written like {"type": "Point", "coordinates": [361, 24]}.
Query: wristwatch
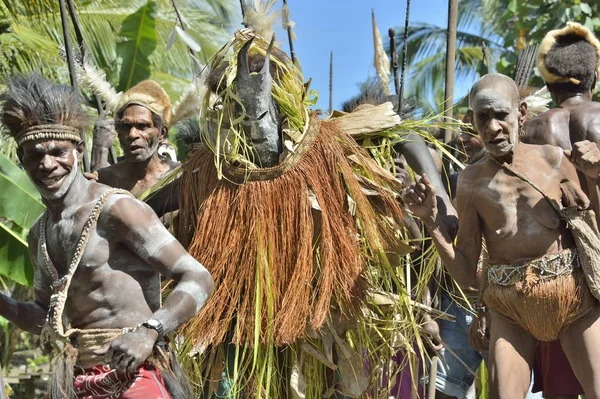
{"type": "Point", "coordinates": [155, 325]}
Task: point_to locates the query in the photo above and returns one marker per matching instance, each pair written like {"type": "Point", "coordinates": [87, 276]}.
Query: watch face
{"type": "Point", "coordinates": [155, 325]}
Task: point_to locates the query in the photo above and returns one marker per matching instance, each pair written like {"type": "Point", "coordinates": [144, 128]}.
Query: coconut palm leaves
{"type": "Point", "coordinates": [20, 205]}
{"type": "Point", "coordinates": [426, 56]}
{"type": "Point", "coordinates": [128, 40]}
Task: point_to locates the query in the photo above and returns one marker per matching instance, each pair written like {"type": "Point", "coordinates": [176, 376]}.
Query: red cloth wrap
{"type": "Point", "coordinates": [102, 382]}
{"type": "Point", "coordinates": [552, 372]}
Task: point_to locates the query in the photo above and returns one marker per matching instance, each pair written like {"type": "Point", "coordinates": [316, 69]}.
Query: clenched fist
{"type": "Point", "coordinates": [585, 155]}
{"type": "Point", "coordinates": [421, 200]}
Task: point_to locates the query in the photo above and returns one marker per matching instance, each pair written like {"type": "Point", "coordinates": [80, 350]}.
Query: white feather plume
{"type": "Point", "coordinates": [381, 60]}
{"type": "Point", "coordinates": [537, 103]}
{"type": "Point", "coordinates": [95, 80]}
{"type": "Point", "coordinates": [191, 100]}
{"type": "Point", "coordinates": [260, 16]}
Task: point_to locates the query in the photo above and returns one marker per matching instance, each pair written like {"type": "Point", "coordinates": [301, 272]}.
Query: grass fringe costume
{"type": "Point", "coordinates": [298, 253]}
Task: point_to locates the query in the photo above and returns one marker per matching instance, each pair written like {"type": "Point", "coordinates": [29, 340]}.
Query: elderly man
{"type": "Point", "coordinates": [141, 122]}
{"type": "Point", "coordinates": [531, 251]}
{"type": "Point", "coordinates": [98, 254]}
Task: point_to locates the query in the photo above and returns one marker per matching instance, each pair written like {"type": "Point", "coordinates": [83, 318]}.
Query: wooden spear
{"type": "Point", "coordinates": [286, 10]}
{"type": "Point", "coordinates": [450, 60]}
{"type": "Point", "coordinates": [71, 64]}
{"type": "Point", "coordinates": [404, 52]}
{"type": "Point", "coordinates": [394, 59]}
{"type": "Point", "coordinates": [331, 83]}
{"type": "Point", "coordinates": [80, 43]}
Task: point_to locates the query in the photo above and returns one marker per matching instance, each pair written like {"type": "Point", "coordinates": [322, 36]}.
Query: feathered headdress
{"type": "Point", "coordinates": [572, 29]}
{"type": "Point", "coordinates": [147, 93]}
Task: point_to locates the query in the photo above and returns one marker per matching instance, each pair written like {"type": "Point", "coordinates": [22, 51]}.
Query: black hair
{"type": "Point", "coordinates": [188, 132]}
{"type": "Point", "coordinates": [572, 57]}
{"type": "Point", "coordinates": [373, 92]}
{"type": "Point", "coordinates": [31, 100]}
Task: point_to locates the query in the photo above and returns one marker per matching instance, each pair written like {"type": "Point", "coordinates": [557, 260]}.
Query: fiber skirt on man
{"type": "Point", "coordinates": [102, 382]}
{"type": "Point", "coordinates": [542, 296]}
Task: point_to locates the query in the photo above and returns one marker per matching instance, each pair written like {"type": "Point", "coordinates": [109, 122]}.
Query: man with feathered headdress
{"type": "Point", "coordinates": [569, 61]}
{"type": "Point", "coordinates": [98, 254]}
{"type": "Point", "coordinates": [142, 117]}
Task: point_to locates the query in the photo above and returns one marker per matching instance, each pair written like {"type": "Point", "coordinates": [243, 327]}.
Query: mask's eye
{"type": "Point", "coordinates": [262, 115]}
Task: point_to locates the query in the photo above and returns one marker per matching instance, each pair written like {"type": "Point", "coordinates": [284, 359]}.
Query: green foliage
{"type": "Point", "coordinates": [139, 31]}
{"type": "Point", "coordinates": [20, 205]}
{"type": "Point", "coordinates": [31, 36]}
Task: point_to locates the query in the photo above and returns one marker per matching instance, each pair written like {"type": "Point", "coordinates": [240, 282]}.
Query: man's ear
{"type": "Point", "coordinates": [80, 147]}
{"type": "Point", "coordinates": [164, 133]}
{"type": "Point", "coordinates": [470, 116]}
{"type": "Point", "coordinates": [595, 81]}
{"type": "Point", "coordinates": [522, 113]}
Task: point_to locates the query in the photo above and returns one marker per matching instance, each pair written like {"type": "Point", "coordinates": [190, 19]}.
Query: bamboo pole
{"type": "Point", "coordinates": [71, 64]}
{"type": "Point", "coordinates": [394, 59]}
{"type": "Point", "coordinates": [404, 53]}
{"type": "Point", "coordinates": [80, 43]}
{"type": "Point", "coordinates": [450, 61]}
{"type": "Point", "coordinates": [331, 82]}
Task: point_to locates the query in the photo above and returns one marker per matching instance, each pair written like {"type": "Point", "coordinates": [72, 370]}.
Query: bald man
{"type": "Point", "coordinates": [531, 252]}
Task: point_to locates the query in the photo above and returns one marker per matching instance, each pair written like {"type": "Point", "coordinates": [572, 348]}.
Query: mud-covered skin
{"type": "Point", "coordinates": [261, 121]}
{"type": "Point", "coordinates": [117, 282]}
{"type": "Point", "coordinates": [140, 139]}
{"type": "Point", "coordinates": [518, 225]}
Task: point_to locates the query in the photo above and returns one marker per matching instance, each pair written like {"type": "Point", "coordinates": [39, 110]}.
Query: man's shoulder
{"type": "Point", "coordinates": [108, 174]}
{"type": "Point", "coordinates": [552, 154]}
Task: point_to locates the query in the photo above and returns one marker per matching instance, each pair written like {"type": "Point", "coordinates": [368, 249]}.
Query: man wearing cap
{"type": "Point", "coordinates": [98, 254]}
{"type": "Point", "coordinates": [141, 122]}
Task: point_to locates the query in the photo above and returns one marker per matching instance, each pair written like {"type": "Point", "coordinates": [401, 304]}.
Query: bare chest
{"type": "Point", "coordinates": [512, 209]}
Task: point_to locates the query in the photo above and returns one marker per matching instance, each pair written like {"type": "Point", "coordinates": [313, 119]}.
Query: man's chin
{"type": "Point", "coordinates": [141, 157]}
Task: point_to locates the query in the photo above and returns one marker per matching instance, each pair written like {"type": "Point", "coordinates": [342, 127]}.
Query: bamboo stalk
{"type": "Point", "coordinates": [450, 61]}
{"type": "Point", "coordinates": [71, 64]}
{"type": "Point", "coordinates": [404, 53]}
{"type": "Point", "coordinates": [80, 43]}
{"type": "Point", "coordinates": [432, 378]}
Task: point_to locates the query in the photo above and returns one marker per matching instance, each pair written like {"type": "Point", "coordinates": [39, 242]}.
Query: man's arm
{"type": "Point", "coordinates": [137, 226]}
{"type": "Point", "coordinates": [419, 159]}
{"type": "Point", "coordinates": [460, 259]}
{"type": "Point", "coordinates": [30, 316]}
{"type": "Point", "coordinates": [103, 139]}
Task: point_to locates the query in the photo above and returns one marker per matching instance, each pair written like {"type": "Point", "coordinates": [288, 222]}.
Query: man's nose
{"type": "Point", "coordinates": [133, 134]}
{"type": "Point", "coordinates": [47, 163]}
{"type": "Point", "coordinates": [494, 127]}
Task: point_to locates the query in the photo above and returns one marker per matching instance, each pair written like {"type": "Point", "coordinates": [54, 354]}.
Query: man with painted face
{"type": "Point", "coordinates": [141, 123]}
{"type": "Point", "coordinates": [98, 254]}
{"type": "Point", "coordinates": [535, 285]}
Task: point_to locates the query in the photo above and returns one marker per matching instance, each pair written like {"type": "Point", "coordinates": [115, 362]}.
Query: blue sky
{"type": "Point", "coordinates": [344, 26]}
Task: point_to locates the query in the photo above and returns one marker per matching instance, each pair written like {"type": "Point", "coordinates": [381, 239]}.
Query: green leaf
{"type": "Point", "coordinates": [512, 6]}
{"type": "Point", "coordinates": [586, 9]}
{"type": "Point", "coordinates": [14, 257]}
{"type": "Point", "coordinates": [18, 176]}
{"type": "Point", "coordinates": [17, 204]}
{"type": "Point", "coordinates": [141, 38]}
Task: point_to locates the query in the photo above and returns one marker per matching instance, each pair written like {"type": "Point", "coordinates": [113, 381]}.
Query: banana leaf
{"type": "Point", "coordinates": [17, 204]}
{"type": "Point", "coordinates": [18, 176]}
{"type": "Point", "coordinates": [14, 257]}
{"type": "Point", "coordinates": [141, 38]}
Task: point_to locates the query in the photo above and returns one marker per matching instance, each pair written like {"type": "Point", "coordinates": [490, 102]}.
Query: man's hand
{"type": "Point", "coordinates": [479, 333]}
{"type": "Point", "coordinates": [585, 155]}
{"type": "Point", "coordinates": [104, 131]}
{"type": "Point", "coordinates": [128, 351]}
{"type": "Point", "coordinates": [421, 200]}
{"type": "Point", "coordinates": [91, 175]}
{"type": "Point", "coordinates": [432, 329]}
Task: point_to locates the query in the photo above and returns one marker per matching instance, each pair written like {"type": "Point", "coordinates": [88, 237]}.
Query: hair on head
{"type": "Point", "coordinates": [188, 132]}
{"type": "Point", "coordinates": [574, 57]}
{"type": "Point", "coordinates": [31, 100]}
{"type": "Point", "coordinates": [495, 81]}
